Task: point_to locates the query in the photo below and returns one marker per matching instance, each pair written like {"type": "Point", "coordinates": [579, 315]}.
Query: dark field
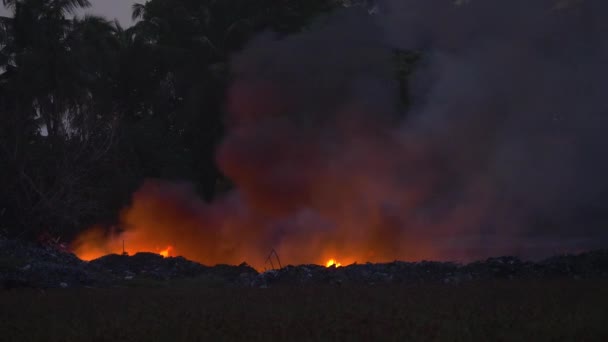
{"type": "Point", "coordinates": [494, 311]}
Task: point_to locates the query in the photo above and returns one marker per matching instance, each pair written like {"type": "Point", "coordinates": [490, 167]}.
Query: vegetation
{"type": "Point", "coordinates": [89, 108]}
{"type": "Point", "coordinates": [506, 311]}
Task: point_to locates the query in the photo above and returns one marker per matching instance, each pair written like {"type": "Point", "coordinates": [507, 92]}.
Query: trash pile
{"type": "Point", "coordinates": [156, 267]}
{"type": "Point", "coordinates": [589, 265]}
{"type": "Point", "coordinates": [46, 266]}
{"type": "Point", "coordinates": [32, 265]}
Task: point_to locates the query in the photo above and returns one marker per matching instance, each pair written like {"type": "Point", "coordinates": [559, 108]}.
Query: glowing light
{"type": "Point", "coordinates": [166, 252]}
{"type": "Point", "coordinates": [332, 262]}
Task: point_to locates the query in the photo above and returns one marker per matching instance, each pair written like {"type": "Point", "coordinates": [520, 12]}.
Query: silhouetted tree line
{"type": "Point", "coordinates": [88, 108]}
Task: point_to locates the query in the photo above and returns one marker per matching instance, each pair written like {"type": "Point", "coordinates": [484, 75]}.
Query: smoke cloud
{"type": "Point", "coordinates": [500, 151]}
{"type": "Point", "coordinates": [512, 92]}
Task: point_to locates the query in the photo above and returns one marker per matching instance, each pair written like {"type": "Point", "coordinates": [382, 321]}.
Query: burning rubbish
{"type": "Point", "coordinates": [325, 164]}
{"type": "Point", "coordinates": [166, 252]}
{"type": "Point", "coordinates": [43, 267]}
{"type": "Point", "coordinates": [332, 263]}
{"type": "Point", "coordinates": [165, 214]}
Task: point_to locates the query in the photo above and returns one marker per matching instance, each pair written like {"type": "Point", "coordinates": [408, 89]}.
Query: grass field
{"type": "Point", "coordinates": [492, 311]}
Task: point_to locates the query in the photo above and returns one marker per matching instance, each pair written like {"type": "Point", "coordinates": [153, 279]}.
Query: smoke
{"type": "Point", "coordinates": [512, 91]}
{"type": "Point", "coordinates": [499, 152]}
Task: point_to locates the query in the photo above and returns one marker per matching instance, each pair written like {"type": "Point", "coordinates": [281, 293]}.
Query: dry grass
{"type": "Point", "coordinates": [501, 311]}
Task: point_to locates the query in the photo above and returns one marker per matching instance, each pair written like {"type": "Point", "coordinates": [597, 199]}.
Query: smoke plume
{"type": "Point", "coordinates": [500, 150]}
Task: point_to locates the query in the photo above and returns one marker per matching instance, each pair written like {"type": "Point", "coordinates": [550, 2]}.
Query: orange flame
{"type": "Point", "coordinates": [332, 262]}
{"type": "Point", "coordinates": [166, 252]}
{"type": "Point", "coordinates": [291, 194]}
{"type": "Point", "coordinates": [163, 215]}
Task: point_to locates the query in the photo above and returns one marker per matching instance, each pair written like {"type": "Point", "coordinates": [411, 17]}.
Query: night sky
{"type": "Point", "coordinates": [119, 9]}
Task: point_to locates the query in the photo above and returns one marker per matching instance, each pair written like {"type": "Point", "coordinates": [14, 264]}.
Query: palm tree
{"type": "Point", "coordinates": [191, 41]}
{"type": "Point", "coordinates": [57, 73]}
{"type": "Point", "coordinates": [39, 57]}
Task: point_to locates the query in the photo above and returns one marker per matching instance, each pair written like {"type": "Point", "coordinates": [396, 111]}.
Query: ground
{"type": "Point", "coordinates": [539, 310]}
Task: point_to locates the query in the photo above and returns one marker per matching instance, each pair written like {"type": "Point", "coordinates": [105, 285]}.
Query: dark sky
{"type": "Point", "coordinates": [119, 9]}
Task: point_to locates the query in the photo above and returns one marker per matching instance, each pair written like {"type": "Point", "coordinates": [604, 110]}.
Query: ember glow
{"type": "Point", "coordinates": [231, 231]}
{"type": "Point", "coordinates": [332, 262]}
{"type": "Point", "coordinates": [325, 164]}
{"type": "Point", "coordinates": [166, 252]}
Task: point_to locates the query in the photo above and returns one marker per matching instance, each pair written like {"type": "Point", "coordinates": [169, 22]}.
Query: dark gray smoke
{"type": "Point", "coordinates": [514, 91]}
{"type": "Point", "coordinates": [501, 150]}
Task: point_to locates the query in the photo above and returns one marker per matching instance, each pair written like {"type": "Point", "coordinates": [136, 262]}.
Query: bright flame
{"type": "Point", "coordinates": [165, 252]}
{"type": "Point", "coordinates": [332, 262]}
{"type": "Point", "coordinates": [230, 231]}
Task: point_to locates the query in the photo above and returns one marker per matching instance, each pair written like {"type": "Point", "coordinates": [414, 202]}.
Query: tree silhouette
{"type": "Point", "coordinates": [89, 109]}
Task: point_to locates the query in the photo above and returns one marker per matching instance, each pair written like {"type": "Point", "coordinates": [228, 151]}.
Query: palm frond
{"type": "Point", "coordinates": [92, 19]}
{"type": "Point", "coordinates": [10, 4]}
{"type": "Point", "coordinates": [117, 26]}
{"type": "Point", "coordinates": [69, 6]}
{"type": "Point", "coordinates": [138, 11]}
{"type": "Point", "coordinates": [5, 30]}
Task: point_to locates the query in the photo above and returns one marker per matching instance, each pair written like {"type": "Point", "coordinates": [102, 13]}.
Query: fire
{"type": "Point", "coordinates": [166, 252]}
{"type": "Point", "coordinates": [164, 215]}
{"type": "Point", "coordinates": [332, 262]}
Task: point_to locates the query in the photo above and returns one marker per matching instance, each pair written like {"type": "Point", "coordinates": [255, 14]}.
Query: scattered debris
{"type": "Point", "coordinates": [45, 266]}
{"type": "Point", "coordinates": [276, 258]}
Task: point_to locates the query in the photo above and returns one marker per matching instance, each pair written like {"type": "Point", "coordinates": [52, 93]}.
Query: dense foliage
{"type": "Point", "coordinates": [89, 109]}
